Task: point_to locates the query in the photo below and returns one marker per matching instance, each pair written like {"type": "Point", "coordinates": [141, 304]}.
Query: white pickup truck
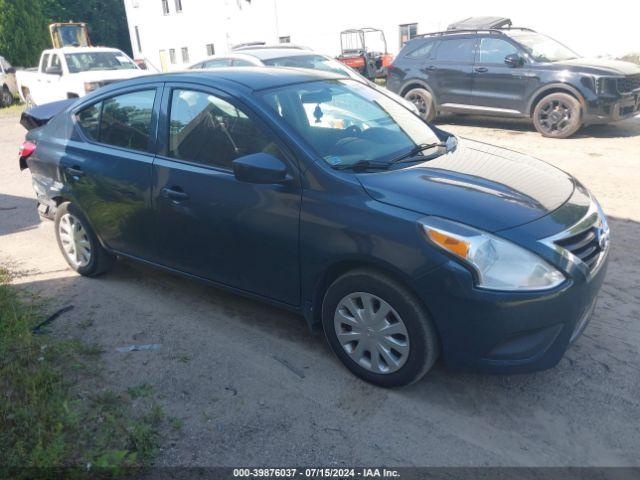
{"type": "Point", "coordinates": [71, 72]}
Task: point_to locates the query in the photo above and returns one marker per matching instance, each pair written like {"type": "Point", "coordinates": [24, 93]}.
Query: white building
{"type": "Point", "coordinates": [173, 33]}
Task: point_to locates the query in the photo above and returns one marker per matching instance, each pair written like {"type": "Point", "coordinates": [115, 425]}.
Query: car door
{"type": "Point", "coordinates": [51, 78]}
{"type": "Point", "coordinates": [210, 224]}
{"type": "Point", "coordinates": [451, 71]}
{"type": "Point", "coordinates": [107, 167]}
{"type": "Point", "coordinates": [497, 85]}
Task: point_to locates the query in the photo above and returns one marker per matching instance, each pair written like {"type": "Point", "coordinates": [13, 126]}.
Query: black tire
{"type": "Point", "coordinates": [100, 260]}
{"type": "Point", "coordinates": [6, 98]}
{"type": "Point", "coordinates": [423, 341]}
{"type": "Point", "coordinates": [423, 100]}
{"type": "Point", "coordinates": [558, 115]}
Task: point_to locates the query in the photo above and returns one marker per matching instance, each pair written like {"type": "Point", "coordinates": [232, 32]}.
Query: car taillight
{"type": "Point", "coordinates": [26, 149]}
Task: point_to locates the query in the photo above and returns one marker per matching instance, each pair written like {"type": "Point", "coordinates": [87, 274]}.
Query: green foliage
{"type": "Point", "coordinates": [23, 31]}
{"type": "Point", "coordinates": [45, 421]}
{"type": "Point", "coordinates": [24, 25]}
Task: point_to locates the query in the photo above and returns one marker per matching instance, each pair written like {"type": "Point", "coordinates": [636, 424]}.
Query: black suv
{"type": "Point", "coordinates": [514, 72]}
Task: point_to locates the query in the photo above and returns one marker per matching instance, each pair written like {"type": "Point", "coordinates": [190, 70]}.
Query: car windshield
{"type": "Point", "coordinates": [347, 122]}
{"type": "Point", "coordinates": [543, 48]}
{"type": "Point", "coordinates": [314, 62]}
{"type": "Point", "coordinates": [86, 61]}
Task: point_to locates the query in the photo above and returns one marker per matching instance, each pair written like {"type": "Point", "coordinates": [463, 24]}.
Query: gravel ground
{"type": "Point", "coordinates": [251, 385]}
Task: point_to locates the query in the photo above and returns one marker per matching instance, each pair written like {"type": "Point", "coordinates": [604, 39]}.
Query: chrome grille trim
{"type": "Point", "coordinates": [580, 245]}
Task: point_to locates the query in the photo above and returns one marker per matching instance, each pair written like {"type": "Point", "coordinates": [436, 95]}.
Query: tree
{"type": "Point", "coordinates": [106, 19]}
{"type": "Point", "coordinates": [23, 31]}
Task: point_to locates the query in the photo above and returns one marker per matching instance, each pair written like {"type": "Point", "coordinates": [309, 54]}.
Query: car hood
{"type": "Point", "coordinates": [602, 66]}
{"type": "Point", "coordinates": [477, 184]}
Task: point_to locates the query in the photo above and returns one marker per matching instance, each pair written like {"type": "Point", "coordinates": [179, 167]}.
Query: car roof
{"type": "Point", "coordinates": [269, 53]}
{"type": "Point", "coordinates": [252, 78]}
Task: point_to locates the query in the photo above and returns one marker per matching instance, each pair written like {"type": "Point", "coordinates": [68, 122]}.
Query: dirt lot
{"type": "Point", "coordinates": [251, 386]}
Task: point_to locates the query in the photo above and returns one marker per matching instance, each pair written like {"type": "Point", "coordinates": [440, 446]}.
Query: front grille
{"type": "Point", "coordinates": [584, 245]}
{"type": "Point", "coordinates": [629, 84]}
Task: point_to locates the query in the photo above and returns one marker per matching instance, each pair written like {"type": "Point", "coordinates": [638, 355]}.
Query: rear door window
{"type": "Point", "coordinates": [459, 50]}
{"type": "Point", "coordinates": [217, 63]}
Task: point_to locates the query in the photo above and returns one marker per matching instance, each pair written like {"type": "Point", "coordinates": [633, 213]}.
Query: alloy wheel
{"type": "Point", "coordinates": [371, 332]}
{"type": "Point", "coordinates": [75, 241]}
{"type": "Point", "coordinates": [420, 102]}
{"type": "Point", "coordinates": [555, 116]}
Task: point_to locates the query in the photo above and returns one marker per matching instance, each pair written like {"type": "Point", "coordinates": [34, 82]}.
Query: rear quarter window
{"type": "Point", "coordinates": [89, 121]}
{"type": "Point", "coordinates": [420, 50]}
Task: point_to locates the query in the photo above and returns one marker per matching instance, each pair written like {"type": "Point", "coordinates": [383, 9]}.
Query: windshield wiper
{"type": "Point", "coordinates": [421, 147]}
{"type": "Point", "coordinates": [361, 165]}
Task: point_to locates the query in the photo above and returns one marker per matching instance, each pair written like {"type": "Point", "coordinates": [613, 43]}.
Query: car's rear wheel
{"type": "Point", "coordinates": [6, 98]}
{"type": "Point", "coordinates": [423, 100]}
{"type": "Point", "coordinates": [378, 329]}
{"type": "Point", "coordinates": [79, 244]}
{"type": "Point", "coordinates": [558, 115]}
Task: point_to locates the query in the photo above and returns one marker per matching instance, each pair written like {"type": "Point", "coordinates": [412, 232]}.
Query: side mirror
{"type": "Point", "coordinates": [261, 168]}
{"type": "Point", "coordinates": [53, 71]}
{"type": "Point", "coordinates": [514, 60]}
{"type": "Point", "coordinates": [10, 70]}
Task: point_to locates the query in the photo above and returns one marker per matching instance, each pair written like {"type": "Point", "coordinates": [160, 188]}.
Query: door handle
{"type": "Point", "coordinates": [75, 171]}
{"type": "Point", "coordinates": [481, 69]}
{"type": "Point", "coordinates": [174, 193]}
{"type": "Point", "coordinates": [432, 67]}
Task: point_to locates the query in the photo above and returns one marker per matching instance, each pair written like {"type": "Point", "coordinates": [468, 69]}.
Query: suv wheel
{"type": "Point", "coordinates": [558, 115]}
{"type": "Point", "coordinates": [378, 329]}
{"type": "Point", "coordinates": [423, 100]}
{"type": "Point", "coordinates": [79, 244]}
{"type": "Point", "coordinates": [6, 99]}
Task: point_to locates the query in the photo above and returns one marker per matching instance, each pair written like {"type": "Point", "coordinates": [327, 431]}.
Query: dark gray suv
{"type": "Point", "coordinates": [514, 72]}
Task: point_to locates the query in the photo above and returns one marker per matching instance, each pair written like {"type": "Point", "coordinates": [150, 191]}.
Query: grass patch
{"type": "Point", "coordinates": [50, 413]}
{"type": "Point", "coordinates": [143, 390]}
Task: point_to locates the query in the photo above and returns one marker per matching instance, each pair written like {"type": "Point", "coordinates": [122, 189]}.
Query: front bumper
{"type": "Point", "coordinates": [612, 109]}
{"type": "Point", "coordinates": [506, 332]}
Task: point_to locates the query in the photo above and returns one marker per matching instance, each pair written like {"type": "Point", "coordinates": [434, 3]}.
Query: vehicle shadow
{"type": "Point", "coordinates": [624, 129]}
{"type": "Point", "coordinates": [17, 214]}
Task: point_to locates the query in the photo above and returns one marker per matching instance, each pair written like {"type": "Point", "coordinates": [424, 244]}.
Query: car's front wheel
{"type": "Point", "coordinates": [558, 115]}
{"type": "Point", "coordinates": [423, 100]}
{"type": "Point", "coordinates": [378, 329]}
{"type": "Point", "coordinates": [79, 244]}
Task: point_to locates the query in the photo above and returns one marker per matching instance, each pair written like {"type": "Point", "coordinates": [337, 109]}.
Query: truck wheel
{"type": "Point", "coordinates": [6, 98]}
{"type": "Point", "coordinates": [79, 244]}
{"type": "Point", "coordinates": [378, 329]}
{"type": "Point", "coordinates": [558, 115]}
{"type": "Point", "coordinates": [423, 100]}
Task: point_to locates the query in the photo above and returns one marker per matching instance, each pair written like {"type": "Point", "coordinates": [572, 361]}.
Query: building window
{"type": "Point", "coordinates": [138, 39]}
{"type": "Point", "coordinates": [172, 55]}
{"type": "Point", "coordinates": [178, 6]}
{"type": "Point", "coordinates": [211, 49]}
{"type": "Point", "coordinates": [407, 32]}
{"type": "Point", "coordinates": [165, 7]}
{"type": "Point", "coordinates": [185, 55]}
{"type": "Point", "coordinates": [286, 39]}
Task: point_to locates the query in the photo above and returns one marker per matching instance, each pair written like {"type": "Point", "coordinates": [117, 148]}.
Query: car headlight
{"type": "Point", "coordinates": [498, 263]}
